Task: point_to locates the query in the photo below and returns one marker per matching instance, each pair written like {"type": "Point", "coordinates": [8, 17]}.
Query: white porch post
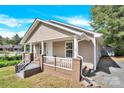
{"type": "Point", "coordinates": [25, 48]}
{"type": "Point", "coordinates": [94, 48]}
{"type": "Point", "coordinates": [75, 47]}
{"type": "Point", "coordinates": [30, 47]}
{"type": "Point", "coordinates": [34, 50]}
{"type": "Point", "coordinates": [42, 47]}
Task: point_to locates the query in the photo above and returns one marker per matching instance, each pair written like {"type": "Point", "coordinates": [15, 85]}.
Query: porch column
{"type": "Point", "coordinates": [42, 47]}
{"type": "Point", "coordinates": [30, 47]}
{"type": "Point", "coordinates": [25, 48]}
{"type": "Point", "coordinates": [75, 47]}
{"type": "Point", "coordinates": [94, 48]}
{"type": "Point", "coordinates": [34, 50]}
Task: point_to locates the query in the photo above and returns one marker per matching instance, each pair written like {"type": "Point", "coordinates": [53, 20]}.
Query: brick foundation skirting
{"type": "Point", "coordinates": [59, 72]}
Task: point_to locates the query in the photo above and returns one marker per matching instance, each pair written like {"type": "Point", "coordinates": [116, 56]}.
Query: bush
{"type": "Point", "coordinates": [11, 58]}
{"type": "Point", "coordinates": [119, 52]}
{"type": "Point", "coordinates": [9, 61]}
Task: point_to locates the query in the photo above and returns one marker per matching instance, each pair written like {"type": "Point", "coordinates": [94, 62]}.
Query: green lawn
{"type": "Point", "coordinates": [8, 79]}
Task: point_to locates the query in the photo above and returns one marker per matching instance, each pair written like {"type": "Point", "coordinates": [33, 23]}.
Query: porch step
{"type": "Point", "coordinates": [29, 70]}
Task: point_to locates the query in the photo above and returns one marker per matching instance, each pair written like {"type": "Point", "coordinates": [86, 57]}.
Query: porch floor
{"type": "Point", "coordinates": [32, 66]}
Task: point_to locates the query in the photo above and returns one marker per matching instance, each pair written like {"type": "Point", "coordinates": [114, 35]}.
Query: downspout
{"type": "Point", "coordinates": [94, 51]}
{"type": "Point", "coordinates": [87, 80]}
{"type": "Point", "coordinates": [81, 66]}
{"type": "Point", "coordinates": [83, 77]}
{"type": "Point", "coordinates": [81, 59]}
{"type": "Point", "coordinates": [81, 63]}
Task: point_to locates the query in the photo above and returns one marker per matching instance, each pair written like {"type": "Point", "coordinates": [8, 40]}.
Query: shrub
{"type": "Point", "coordinates": [11, 58]}
{"type": "Point", "coordinates": [9, 61]}
{"type": "Point", "coordinates": [119, 52]}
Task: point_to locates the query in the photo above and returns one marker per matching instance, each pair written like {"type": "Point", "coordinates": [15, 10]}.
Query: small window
{"type": "Point", "coordinates": [40, 49]}
{"type": "Point", "coordinates": [69, 49]}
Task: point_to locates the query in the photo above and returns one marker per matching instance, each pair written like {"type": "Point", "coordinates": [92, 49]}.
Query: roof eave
{"type": "Point", "coordinates": [28, 32]}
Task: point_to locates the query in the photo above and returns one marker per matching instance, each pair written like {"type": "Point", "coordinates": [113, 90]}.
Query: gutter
{"type": "Point", "coordinates": [81, 64]}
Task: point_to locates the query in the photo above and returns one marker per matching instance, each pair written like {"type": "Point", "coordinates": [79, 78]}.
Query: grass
{"type": "Point", "coordinates": [118, 59]}
{"type": "Point", "coordinates": [8, 79]}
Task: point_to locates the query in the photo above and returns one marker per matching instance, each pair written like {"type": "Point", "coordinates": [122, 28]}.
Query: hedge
{"type": "Point", "coordinates": [9, 61]}
{"type": "Point", "coordinates": [11, 58]}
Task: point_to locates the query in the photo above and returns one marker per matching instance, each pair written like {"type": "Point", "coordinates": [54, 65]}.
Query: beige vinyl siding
{"type": "Point", "coordinates": [86, 51]}
{"type": "Point", "coordinates": [59, 49]}
{"type": "Point", "coordinates": [46, 32]}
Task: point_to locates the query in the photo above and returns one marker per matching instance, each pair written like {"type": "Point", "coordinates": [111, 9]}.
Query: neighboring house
{"type": "Point", "coordinates": [10, 48]}
{"type": "Point", "coordinates": [62, 43]}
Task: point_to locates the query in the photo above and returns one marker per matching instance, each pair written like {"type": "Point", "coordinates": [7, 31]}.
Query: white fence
{"type": "Point", "coordinates": [65, 63]}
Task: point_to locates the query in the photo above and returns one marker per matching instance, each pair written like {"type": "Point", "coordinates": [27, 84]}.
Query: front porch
{"type": "Point", "coordinates": [59, 57]}
{"type": "Point", "coordinates": [71, 47]}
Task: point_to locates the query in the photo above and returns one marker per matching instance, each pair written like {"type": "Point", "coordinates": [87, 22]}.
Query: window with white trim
{"type": "Point", "coordinates": [69, 48]}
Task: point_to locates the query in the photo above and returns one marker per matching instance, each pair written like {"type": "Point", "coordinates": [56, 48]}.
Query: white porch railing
{"type": "Point", "coordinates": [49, 60]}
{"type": "Point", "coordinates": [65, 63]}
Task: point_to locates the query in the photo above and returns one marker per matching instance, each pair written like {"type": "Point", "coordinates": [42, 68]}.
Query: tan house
{"type": "Point", "coordinates": [65, 47]}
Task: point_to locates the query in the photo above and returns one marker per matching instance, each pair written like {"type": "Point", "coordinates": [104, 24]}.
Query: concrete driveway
{"type": "Point", "coordinates": [110, 73]}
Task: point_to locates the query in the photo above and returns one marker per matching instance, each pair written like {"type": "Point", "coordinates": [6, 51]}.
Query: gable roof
{"type": "Point", "coordinates": [66, 27]}
{"type": "Point", "coordinates": [73, 27]}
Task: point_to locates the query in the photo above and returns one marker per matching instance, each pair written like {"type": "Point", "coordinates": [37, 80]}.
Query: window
{"type": "Point", "coordinates": [69, 49]}
{"type": "Point", "coordinates": [40, 49]}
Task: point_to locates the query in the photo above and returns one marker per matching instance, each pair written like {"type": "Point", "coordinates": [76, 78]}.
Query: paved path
{"type": "Point", "coordinates": [110, 73]}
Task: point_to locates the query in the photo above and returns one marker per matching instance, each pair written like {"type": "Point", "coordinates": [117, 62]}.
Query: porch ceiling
{"type": "Point", "coordinates": [54, 40]}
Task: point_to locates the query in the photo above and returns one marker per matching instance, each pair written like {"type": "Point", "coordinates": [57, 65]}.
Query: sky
{"type": "Point", "coordinates": [16, 19]}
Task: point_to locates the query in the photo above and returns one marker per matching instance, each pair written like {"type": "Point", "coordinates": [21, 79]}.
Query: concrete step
{"type": "Point", "coordinates": [29, 70]}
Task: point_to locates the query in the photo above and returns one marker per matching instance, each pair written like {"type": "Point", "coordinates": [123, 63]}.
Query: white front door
{"type": "Point", "coordinates": [36, 50]}
{"type": "Point", "coordinates": [49, 48]}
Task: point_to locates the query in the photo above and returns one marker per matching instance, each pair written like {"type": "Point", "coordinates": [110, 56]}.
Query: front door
{"type": "Point", "coordinates": [36, 50]}
{"type": "Point", "coordinates": [49, 48]}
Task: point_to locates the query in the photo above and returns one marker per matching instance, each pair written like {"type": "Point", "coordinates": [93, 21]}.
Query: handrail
{"type": "Point", "coordinates": [21, 66]}
{"type": "Point", "coordinates": [58, 57]}
{"type": "Point", "coordinates": [64, 58]}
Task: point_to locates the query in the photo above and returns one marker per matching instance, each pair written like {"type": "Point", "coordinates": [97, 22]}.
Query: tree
{"type": "Point", "coordinates": [16, 39]}
{"type": "Point", "coordinates": [1, 40]}
{"type": "Point", "coordinates": [109, 20]}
